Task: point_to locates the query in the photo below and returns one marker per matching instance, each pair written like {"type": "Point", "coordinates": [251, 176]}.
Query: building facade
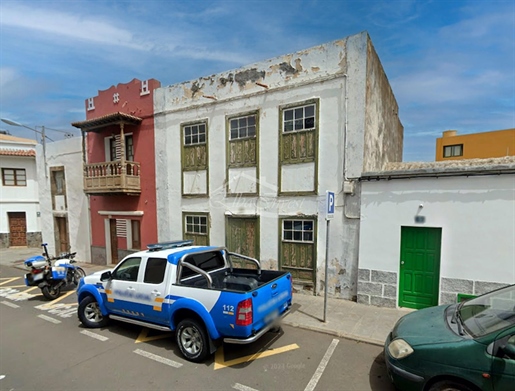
{"type": "Point", "coordinates": [119, 170]}
{"type": "Point", "coordinates": [244, 158]}
{"type": "Point", "coordinates": [497, 143]}
{"type": "Point", "coordinates": [65, 221]}
{"type": "Point", "coordinates": [20, 223]}
{"type": "Point", "coordinates": [433, 233]}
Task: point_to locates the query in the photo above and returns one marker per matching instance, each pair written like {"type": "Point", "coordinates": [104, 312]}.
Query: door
{"type": "Point", "coordinates": [17, 229]}
{"type": "Point", "coordinates": [503, 365]}
{"type": "Point", "coordinates": [114, 240]}
{"type": "Point", "coordinates": [419, 267]}
{"type": "Point", "coordinates": [242, 237]}
{"type": "Point", "coordinates": [63, 244]}
{"type": "Point", "coordinates": [153, 289]}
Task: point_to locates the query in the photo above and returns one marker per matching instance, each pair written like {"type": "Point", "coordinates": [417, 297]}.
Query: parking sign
{"type": "Point", "coordinates": [329, 205]}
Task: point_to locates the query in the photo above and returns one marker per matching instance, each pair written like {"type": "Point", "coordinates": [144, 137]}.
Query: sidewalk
{"type": "Point", "coordinates": [345, 319]}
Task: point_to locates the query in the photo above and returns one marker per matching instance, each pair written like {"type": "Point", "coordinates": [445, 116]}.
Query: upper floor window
{"type": "Point", "coordinates": [14, 177]}
{"type": "Point", "coordinates": [299, 118]}
{"type": "Point", "coordinates": [195, 134]}
{"type": "Point", "coordinates": [453, 150]}
{"type": "Point", "coordinates": [243, 127]}
{"type": "Point", "coordinates": [196, 224]}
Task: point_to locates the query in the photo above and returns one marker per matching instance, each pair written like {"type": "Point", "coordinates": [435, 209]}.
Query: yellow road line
{"type": "Point", "coordinates": [14, 286]}
{"type": "Point", "coordinates": [52, 303]}
{"type": "Point", "coordinates": [221, 363]}
{"type": "Point", "coordinates": [9, 280]}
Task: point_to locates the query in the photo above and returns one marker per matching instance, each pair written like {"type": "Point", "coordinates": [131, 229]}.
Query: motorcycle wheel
{"type": "Point", "coordinates": [51, 292]}
{"type": "Point", "coordinates": [78, 274]}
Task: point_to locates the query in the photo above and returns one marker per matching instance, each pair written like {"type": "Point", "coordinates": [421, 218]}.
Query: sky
{"type": "Point", "coordinates": [451, 63]}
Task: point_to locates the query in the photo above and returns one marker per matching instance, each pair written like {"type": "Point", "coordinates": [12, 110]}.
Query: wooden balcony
{"type": "Point", "coordinates": [114, 177]}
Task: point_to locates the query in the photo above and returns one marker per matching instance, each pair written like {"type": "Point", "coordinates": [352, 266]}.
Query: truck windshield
{"type": "Point", "coordinates": [488, 313]}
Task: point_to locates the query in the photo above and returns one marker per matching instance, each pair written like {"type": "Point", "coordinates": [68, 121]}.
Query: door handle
{"type": "Point", "coordinates": [131, 288]}
{"type": "Point", "coordinates": [156, 293]}
{"type": "Point", "coordinates": [402, 262]}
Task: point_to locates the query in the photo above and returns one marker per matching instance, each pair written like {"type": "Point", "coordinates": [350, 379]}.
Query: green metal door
{"type": "Point", "coordinates": [242, 237]}
{"type": "Point", "coordinates": [419, 267]}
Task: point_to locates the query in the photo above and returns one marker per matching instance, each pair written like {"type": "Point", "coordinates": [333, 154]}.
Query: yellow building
{"type": "Point", "coordinates": [497, 143]}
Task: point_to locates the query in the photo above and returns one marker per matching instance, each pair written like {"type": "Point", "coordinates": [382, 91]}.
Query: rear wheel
{"type": "Point", "coordinates": [78, 274]}
{"type": "Point", "coordinates": [51, 292]}
{"type": "Point", "coordinates": [90, 314]}
{"type": "Point", "coordinates": [192, 340]}
{"type": "Point", "coordinates": [449, 385]}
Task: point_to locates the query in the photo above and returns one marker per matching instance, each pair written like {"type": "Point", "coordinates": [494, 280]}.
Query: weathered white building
{"type": "Point", "coordinates": [19, 201]}
{"type": "Point", "coordinates": [244, 157]}
{"type": "Point", "coordinates": [433, 232]}
{"type": "Point", "coordinates": [65, 222]}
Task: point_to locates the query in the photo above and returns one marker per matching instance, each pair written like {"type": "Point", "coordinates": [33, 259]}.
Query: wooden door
{"type": "Point", "coordinates": [63, 243]}
{"type": "Point", "coordinates": [114, 241]}
{"type": "Point", "coordinates": [419, 267]}
{"type": "Point", "coordinates": [17, 229]}
{"type": "Point", "coordinates": [242, 237]}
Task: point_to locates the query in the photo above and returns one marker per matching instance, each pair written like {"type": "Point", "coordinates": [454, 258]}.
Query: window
{"type": "Point", "coordinates": [206, 261]}
{"type": "Point", "coordinates": [114, 146]}
{"type": "Point", "coordinates": [195, 134]}
{"type": "Point", "coordinates": [196, 225]}
{"type": "Point", "coordinates": [136, 238]}
{"type": "Point", "coordinates": [14, 177]}
{"type": "Point", "coordinates": [453, 150]}
{"type": "Point", "coordinates": [59, 182]}
{"type": "Point", "coordinates": [128, 270]}
{"type": "Point", "coordinates": [155, 270]}
{"type": "Point", "coordinates": [129, 148]}
{"type": "Point", "coordinates": [298, 230]}
{"type": "Point", "coordinates": [242, 127]}
{"type": "Point", "coordinates": [299, 118]}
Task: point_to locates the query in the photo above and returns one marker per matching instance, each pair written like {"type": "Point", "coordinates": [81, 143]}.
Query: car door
{"type": "Point", "coordinates": [153, 289]}
{"type": "Point", "coordinates": [122, 289]}
{"type": "Point", "coordinates": [503, 363]}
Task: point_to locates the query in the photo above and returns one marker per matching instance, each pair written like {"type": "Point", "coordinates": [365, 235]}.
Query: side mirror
{"type": "Point", "coordinates": [509, 350]}
{"type": "Point", "coordinates": [106, 276]}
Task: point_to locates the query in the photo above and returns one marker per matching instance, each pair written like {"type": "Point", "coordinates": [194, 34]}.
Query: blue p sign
{"type": "Point", "coordinates": [330, 205]}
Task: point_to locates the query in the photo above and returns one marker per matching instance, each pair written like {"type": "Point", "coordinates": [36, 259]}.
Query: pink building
{"type": "Point", "coordinates": [119, 169]}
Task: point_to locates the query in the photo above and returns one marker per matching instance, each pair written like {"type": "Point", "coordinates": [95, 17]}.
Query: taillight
{"type": "Point", "coordinates": [37, 271]}
{"type": "Point", "coordinates": [244, 313]}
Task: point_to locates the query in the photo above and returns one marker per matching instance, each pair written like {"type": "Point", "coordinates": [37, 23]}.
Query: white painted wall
{"type": "Point", "coordinates": [67, 153]}
{"type": "Point", "coordinates": [476, 214]}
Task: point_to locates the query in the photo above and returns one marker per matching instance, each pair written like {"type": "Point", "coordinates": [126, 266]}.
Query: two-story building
{"type": "Point", "coordinates": [245, 158]}
{"type": "Point", "coordinates": [119, 170]}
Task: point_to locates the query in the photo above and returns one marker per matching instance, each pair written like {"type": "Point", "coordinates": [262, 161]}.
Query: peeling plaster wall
{"type": "Point", "coordinates": [321, 72]}
{"type": "Point", "coordinates": [68, 154]}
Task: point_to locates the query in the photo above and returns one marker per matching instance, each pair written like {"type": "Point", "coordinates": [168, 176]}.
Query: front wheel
{"type": "Point", "coordinates": [78, 274]}
{"type": "Point", "coordinates": [449, 385]}
{"type": "Point", "coordinates": [90, 314]}
{"type": "Point", "coordinates": [51, 292]}
{"type": "Point", "coordinates": [192, 340]}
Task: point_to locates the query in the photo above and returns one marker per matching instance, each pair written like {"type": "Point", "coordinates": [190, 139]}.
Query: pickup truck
{"type": "Point", "coordinates": [193, 290]}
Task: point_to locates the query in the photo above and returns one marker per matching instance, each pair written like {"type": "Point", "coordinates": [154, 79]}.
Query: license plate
{"type": "Point", "coordinates": [37, 277]}
{"type": "Point", "coordinates": [271, 316]}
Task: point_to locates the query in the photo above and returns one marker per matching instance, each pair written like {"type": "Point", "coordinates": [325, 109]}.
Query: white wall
{"type": "Point", "coordinates": [476, 214]}
{"type": "Point", "coordinates": [67, 153]}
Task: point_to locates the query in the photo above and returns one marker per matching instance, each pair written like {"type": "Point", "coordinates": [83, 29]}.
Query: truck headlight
{"type": "Point", "coordinates": [399, 348]}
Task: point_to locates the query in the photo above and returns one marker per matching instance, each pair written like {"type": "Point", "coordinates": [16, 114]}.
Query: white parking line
{"type": "Point", "coordinates": [321, 367]}
{"type": "Point", "coordinates": [94, 335]}
{"type": "Point", "coordinates": [49, 319]}
{"type": "Point", "coordinates": [241, 387]}
{"type": "Point", "coordinates": [158, 358]}
{"type": "Point", "coordinates": [10, 304]}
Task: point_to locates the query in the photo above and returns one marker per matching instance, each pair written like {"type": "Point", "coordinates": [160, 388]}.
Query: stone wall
{"type": "Point", "coordinates": [451, 287]}
{"type": "Point", "coordinates": [376, 287]}
{"type": "Point", "coordinates": [34, 239]}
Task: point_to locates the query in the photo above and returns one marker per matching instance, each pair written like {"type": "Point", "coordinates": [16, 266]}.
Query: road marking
{"type": "Point", "coordinates": [241, 387]}
{"type": "Point", "coordinates": [2, 377]}
{"type": "Point", "coordinates": [8, 280]}
{"type": "Point", "coordinates": [52, 304]}
{"type": "Point", "coordinates": [94, 335]}
{"type": "Point", "coordinates": [49, 319]}
{"type": "Point", "coordinates": [321, 367]}
{"type": "Point", "coordinates": [10, 304]}
{"type": "Point", "coordinates": [221, 363]}
{"type": "Point", "coordinates": [158, 358]}
{"type": "Point", "coordinates": [143, 336]}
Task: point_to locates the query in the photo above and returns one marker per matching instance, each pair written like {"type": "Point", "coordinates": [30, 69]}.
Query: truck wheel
{"type": "Point", "coordinates": [51, 292]}
{"type": "Point", "coordinates": [192, 340]}
{"type": "Point", "coordinates": [90, 315]}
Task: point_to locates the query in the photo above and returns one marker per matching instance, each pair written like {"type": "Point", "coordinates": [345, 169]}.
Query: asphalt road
{"type": "Point", "coordinates": [44, 347]}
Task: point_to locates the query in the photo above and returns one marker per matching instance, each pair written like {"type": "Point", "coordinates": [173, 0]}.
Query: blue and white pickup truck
{"type": "Point", "coordinates": [194, 290]}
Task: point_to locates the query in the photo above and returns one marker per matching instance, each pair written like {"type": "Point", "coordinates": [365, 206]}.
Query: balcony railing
{"type": "Point", "coordinates": [112, 177]}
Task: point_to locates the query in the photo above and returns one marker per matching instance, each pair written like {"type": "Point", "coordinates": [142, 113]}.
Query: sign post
{"type": "Point", "coordinates": [329, 207]}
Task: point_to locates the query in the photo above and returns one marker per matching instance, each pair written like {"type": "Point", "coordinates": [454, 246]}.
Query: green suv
{"type": "Point", "coordinates": [468, 346]}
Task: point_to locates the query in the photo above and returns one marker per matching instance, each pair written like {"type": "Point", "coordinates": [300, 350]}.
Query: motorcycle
{"type": "Point", "coordinates": [52, 278]}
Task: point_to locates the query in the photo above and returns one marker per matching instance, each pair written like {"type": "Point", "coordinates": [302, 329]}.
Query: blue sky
{"type": "Point", "coordinates": [451, 64]}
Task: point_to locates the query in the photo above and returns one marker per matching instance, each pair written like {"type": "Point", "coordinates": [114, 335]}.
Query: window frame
{"type": "Point", "coordinates": [115, 272]}
{"type": "Point", "coordinates": [199, 216]}
{"type": "Point", "coordinates": [294, 108]}
{"type": "Point", "coordinates": [452, 149]}
{"type": "Point", "coordinates": [239, 117]}
{"type": "Point", "coordinates": [190, 125]}
{"type": "Point", "coordinates": [293, 230]}
{"type": "Point", "coordinates": [149, 260]}
{"type": "Point", "coordinates": [15, 177]}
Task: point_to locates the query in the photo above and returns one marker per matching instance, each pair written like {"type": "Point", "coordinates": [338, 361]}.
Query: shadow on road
{"type": "Point", "coordinates": [378, 376]}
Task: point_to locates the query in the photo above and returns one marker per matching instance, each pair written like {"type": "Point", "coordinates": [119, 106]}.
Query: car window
{"type": "Point", "coordinates": [155, 270]}
{"type": "Point", "coordinates": [206, 261]}
{"type": "Point", "coordinates": [127, 270]}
